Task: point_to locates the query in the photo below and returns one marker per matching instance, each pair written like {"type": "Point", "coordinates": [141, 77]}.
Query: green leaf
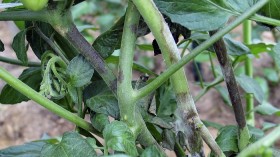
{"type": "Point", "coordinates": [145, 47]}
{"type": "Point", "coordinates": [211, 16]}
{"type": "Point", "coordinates": [71, 145]}
{"type": "Point", "coordinates": [166, 101]}
{"type": "Point", "coordinates": [135, 66]}
{"type": "Point", "coordinates": [264, 85]}
{"type": "Point", "coordinates": [260, 48]}
{"type": "Point", "coordinates": [271, 75]}
{"type": "Point", "coordinates": [169, 139]}
{"type": "Point", "coordinates": [235, 48]}
{"type": "Point", "coordinates": [152, 151]}
{"type": "Point", "coordinates": [19, 46]}
{"type": "Point", "coordinates": [31, 76]}
{"type": "Point", "coordinates": [267, 126]}
{"type": "Point", "coordinates": [117, 155]}
{"type": "Point", "coordinates": [79, 71]}
{"type": "Point", "coordinates": [256, 133]}
{"type": "Point", "coordinates": [160, 122]}
{"type": "Point", "coordinates": [73, 93]}
{"type": "Point", "coordinates": [267, 109]}
{"type": "Point", "coordinates": [109, 41]}
{"type": "Point", "coordinates": [227, 139]}
{"type": "Point", "coordinates": [37, 44]}
{"type": "Point", "coordinates": [100, 99]}
{"type": "Point", "coordinates": [224, 93]}
{"type": "Point", "coordinates": [271, 9]}
{"type": "Point", "coordinates": [99, 121]}
{"type": "Point", "coordinates": [2, 47]}
{"type": "Point", "coordinates": [251, 86]}
{"type": "Point", "coordinates": [203, 15]}
{"type": "Point", "coordinates": [212, 124]}
{"type": "Point", "coordinates": [118, 137]}
{"type": "Point", "coordinates": [32, 149]}
{"type": "Point", "coordinates": [276, 55]}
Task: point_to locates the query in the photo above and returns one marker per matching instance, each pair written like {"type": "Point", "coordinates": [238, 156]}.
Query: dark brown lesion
{"type": "Point", "coordinates": [225, 63]}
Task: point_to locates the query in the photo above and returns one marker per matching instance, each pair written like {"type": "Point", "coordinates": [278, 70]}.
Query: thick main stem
{"type": "Point", "coordinates": [247, 34]}
{"type": "Point", "coordinates": [186, 110]}
{"type": "Point", "coordinates": [127, 103]}
{"type": "Point", "coordinates": [225, 63]}
{"type": "Point", "coordinates": [126, 95]}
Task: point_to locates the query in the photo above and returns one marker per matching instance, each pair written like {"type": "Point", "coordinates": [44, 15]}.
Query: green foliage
{"type": "Point", "coordinates": [79, 72]}
{"type": "Point", "coordinates": [119, 137]}
{"type": "Point", "coordinates": [251, 86]}
{"type": "Point", "coordinates": [71, 145]}
{"type": "Point", "coordinates": [31, 149]}
{"type": "Point", "coordinates": [36, 42]}
{"type": "Point", "coordinates": [152, 151]}
{"type": "Point", "coordinates": [212, 14]}
{"type": "Point", "coordinates": [31, 77]}
{"type": "Point", "coordinates": [101, 99]}
{"type": "Point", "coordinates": [20, 47]}
{"type": "Point", "coordinates": [271, 9]}
{"type": "Point", "coordinates": [71, 77]}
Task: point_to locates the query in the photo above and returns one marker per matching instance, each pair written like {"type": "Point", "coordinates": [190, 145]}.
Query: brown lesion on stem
{"type": "Point", "coordinates": [221, 52]}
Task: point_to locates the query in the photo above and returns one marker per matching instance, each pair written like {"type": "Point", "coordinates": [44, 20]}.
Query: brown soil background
{"type": "Point", "coordinates": [28, 121]}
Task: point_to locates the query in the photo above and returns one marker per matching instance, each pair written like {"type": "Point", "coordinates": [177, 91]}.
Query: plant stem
{"type": "Point", "coordinates": [225, 63]}
{"type": "Point", "coordinates": [17, 62]}
{"type": "Point", "coordinates": [212, 65]}
{"type": "Point", "coordinates": [186, 110]}
{"type": "Point", "coordinates": [247, 33]}
{"type": "Point", "coordinates": [173, 68]}
{"type": "Point", "coordinates": [207, 88]}
{"type": "Point", "coordinates": [25, 15]}
{"type": "Point", "coordinates": [73, 36]}
{"type": "Point", "coordinates": [126, 95]}
{"type": "Point", "coordinates": [52, 45]}
{"type": "Point", "coordinates": [126, 99]}
{"type": "Point", "coordinates": [259, 147]}
{"type": "Point", "coordinates": [48, 104]}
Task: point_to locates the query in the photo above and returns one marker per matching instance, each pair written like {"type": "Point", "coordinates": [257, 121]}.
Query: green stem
{"type": "Point", "coordinates": [212, 65]}
{"type": "Point", "coordinates": [186, 109]}
{"type": "Point", "coordinates": [51, 106]}
{"type": "Point", "coordinates": [206, 89]}
{"type": "Point", "coordinates": [247, 34]}
{"type": "Point", "coordinates": [260, 146]}
{"type": "Point", "coordinates": [217, 81]}
{"type": "Point", "coordinates": [126, 95]}
{"type": "Point", "coordinates": [199, 74]}
{"type": "Point", "coordinates": [173, 68]}
{"type": "Point", "coordinates": [24, 15]}
{"type": "Point", "coordinates": [52, 45]}
{"type": "Point", "coordinates": [265, 20]}
{"type": "Point", "coordinates": [125, 91]}
{"type": "Point", "coordinates": [17, 62]}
